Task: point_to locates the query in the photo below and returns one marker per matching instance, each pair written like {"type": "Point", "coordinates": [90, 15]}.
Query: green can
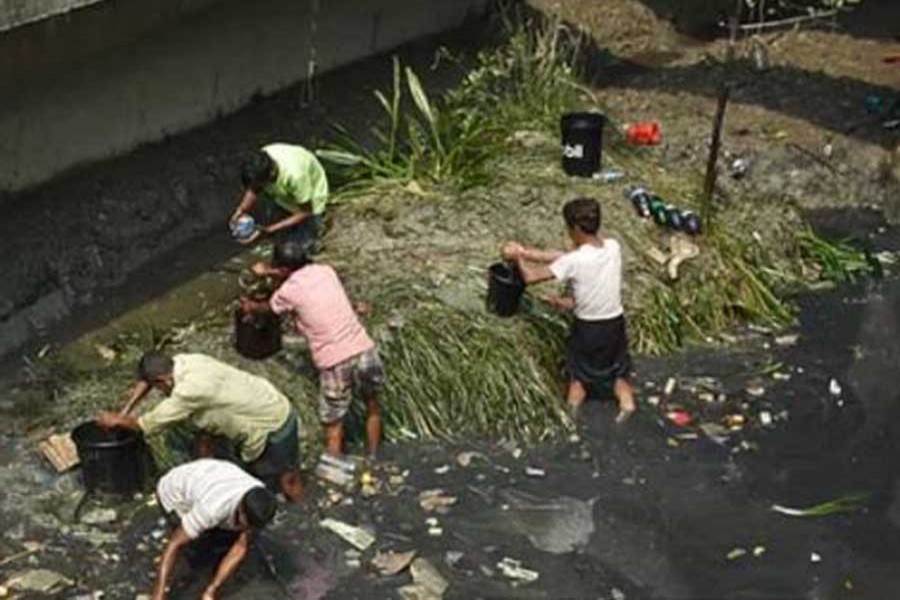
{"type": "Point", "coordinates": [658, 210]}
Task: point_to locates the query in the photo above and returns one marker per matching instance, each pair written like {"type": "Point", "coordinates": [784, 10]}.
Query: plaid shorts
{"type": "Point", "coordinates": [363, 374]}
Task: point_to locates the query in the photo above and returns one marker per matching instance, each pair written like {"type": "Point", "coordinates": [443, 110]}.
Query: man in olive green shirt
{"type": "Point", "coordinates": [295, 185]}
{"type": "Point", "coordinates": [222, 401]}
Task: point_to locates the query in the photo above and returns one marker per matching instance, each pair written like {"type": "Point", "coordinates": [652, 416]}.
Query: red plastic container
{"type": "Point", "coordinates": [643, 134]}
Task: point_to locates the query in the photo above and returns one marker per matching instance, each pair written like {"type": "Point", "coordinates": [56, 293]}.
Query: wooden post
{"type": "Point", "coordinates": [709, 186]}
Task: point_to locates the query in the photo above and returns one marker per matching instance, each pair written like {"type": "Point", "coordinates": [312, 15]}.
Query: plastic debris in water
{"type": "Point", "coordinates": [534, 472]}
{"type": "Point", "coordinates": [834, 388]}
{"type": "Point", "coordinates": [355, 536]}
{"type": "Point", "coordinates": [813, 557]}
{"type": "Point", "coordinates": [736, 553]}
{"type": "Point", "coordinates": [513, 569]}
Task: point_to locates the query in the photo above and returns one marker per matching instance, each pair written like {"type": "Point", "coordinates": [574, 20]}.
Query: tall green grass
{"type": "Point", "coordinates": [526, 82]}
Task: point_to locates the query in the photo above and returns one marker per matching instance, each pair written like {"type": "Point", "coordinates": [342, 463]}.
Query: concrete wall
{"type": "Point", "coordinates": [100, 80]}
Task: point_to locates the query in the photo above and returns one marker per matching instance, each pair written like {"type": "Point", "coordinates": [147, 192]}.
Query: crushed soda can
{"type": "Point", "coordinates": [673, 218]}
{"type": "Point", "coordinates": [640, 199]}
{"type": "Point", "coordinates": [690, 223]}
{"type": "Point", "coordinates": [658, 210]}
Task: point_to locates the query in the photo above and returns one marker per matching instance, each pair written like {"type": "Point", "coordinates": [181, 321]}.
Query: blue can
{"type": "Point", "coordinates": [690, 223]}
{"type": "Point", "coordinates": [673, 218]}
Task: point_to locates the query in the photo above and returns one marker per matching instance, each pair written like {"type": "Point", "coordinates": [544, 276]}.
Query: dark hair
{"type": "Point", "coordinates": [258, 171]}
{"type": "Point", "coordinates": [583, 214]}
{"type": "Point", "coordinates": [290, 255]}
{"type": "Point", "coordinates": [154, 364]}
{"type": "Point", "coordinates": [259, 507]}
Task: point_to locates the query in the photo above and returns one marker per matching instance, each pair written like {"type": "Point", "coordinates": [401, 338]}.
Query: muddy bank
{"type": "Point", "coordinates": [78, 241]}
{"type": "Point", "coordinates": [649, 510]}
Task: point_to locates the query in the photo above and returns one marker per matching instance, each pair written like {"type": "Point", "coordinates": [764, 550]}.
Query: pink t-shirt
{"type": "Point", "coordinates": [323, 315]}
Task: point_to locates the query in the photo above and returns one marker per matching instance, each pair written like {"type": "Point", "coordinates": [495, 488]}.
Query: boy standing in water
{"type": "Point", "coordinates": [597, 349]}
{"type": "Point", "coordinates": [344, 354]}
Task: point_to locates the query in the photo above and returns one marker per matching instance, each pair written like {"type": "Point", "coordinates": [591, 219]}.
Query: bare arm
{"type": "Point", "coordinates": [110, 419]}
{"type": "Point", "coordinates": [228, 566]}
{"type": "Point", "coordinates": [246, 203]}
{"type": "Point", "coordinates": [178, 540]}
{"type": "Point", "coordinates": [541, 256]}
{"type": "Point", "coordinates": [291, 221]}
{"type": "Point", "coordinates": [534, 273]}
{"type": "Point", "coordinates": [137, 394]}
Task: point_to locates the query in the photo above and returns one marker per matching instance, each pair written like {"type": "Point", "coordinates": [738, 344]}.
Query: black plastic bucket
{"type": "Point", "coordinates": [256, 335]}
{"type": "Point", "coordinates": [112, 460]}
{"type": "Point", "coordinates": [582, 143]}
{"type": "Point", "coordinates": [505, 288]}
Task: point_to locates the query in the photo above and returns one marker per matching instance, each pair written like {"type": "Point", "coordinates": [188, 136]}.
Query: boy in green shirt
{"type": "Point", "coordinates": [293, 181]}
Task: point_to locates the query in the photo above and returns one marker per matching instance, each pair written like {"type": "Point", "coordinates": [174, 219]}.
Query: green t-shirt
{"type": "Point", "coordinates": [301, 178]}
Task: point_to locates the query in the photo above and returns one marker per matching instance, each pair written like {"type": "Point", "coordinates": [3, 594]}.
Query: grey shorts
{"type": "Point", "coordinates": [363, 374]}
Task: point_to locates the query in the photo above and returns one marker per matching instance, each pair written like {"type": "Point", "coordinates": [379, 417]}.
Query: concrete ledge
{"type": "Point", "coordinates": [185, 68]}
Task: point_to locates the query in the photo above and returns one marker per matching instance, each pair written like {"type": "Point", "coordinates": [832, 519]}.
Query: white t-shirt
{"type": "Point", "coordinates": [594, 274]}
{"type": "Point", "coordinates": [205, 493]}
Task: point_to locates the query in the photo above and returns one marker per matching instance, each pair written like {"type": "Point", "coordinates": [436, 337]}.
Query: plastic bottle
{"type": "Point", "coordinates": [690, 223]}
{"type": "Point", "coordinates": [609, 176]}
{"type": "Point", "coordinates": [640, 199]}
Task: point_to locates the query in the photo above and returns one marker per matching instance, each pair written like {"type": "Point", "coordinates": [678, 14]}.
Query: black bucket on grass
{"type": "Point", "coordinates": [256, 335]}
{"type": "Point", "coordinates": [112, 460]}
{"type": "Point", "coordinates": [582, 143]}
{"type": "Point", "coordinates": [505, 288]}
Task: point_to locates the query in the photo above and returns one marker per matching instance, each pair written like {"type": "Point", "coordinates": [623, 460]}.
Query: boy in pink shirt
{"type": "Point", "coordinates": [344, 354]}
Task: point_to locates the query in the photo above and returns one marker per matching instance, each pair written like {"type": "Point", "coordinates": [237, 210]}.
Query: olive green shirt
{"type": "Point", "coordinates": [301, 179]}
{"type": "Point", "coordinates": [221, 400]}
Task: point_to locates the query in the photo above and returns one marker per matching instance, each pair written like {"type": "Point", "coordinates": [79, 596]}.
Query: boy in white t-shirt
{"type": "Point", "coordinates": [597, 349]}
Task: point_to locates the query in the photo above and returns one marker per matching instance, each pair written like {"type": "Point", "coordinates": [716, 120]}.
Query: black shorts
{"type": "Point", "coordinates": [597, 351]}
{"type": "Point", "coordinates": [282, 453]}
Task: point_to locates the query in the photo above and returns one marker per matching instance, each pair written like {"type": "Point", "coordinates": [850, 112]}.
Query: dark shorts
{"type": "Point", "coordinates": [307, 232]}
{"type": "Point", "coordinates": [362, 374]}
{"type": "Point", "coordinates": [282, 453]}
{"type": "Point", "coordinates": [597, 351]}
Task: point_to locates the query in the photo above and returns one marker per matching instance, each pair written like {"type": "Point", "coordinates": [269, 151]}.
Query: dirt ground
{"type": "Point", "coordinates": [646, 511]}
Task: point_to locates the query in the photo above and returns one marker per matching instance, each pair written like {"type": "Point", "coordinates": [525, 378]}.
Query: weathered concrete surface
{"type": "Point", "coordinates": [16, 13]}
{"type": "Point", "coordinates": [102, 80]}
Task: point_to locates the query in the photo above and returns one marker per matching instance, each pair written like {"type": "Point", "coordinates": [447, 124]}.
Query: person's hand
{"type": "Point", "coordinates": [512, 250]}
{"type": "Point", "coordinates": [260, 268]}
{"type": "Point", "coordinates": [234, 217]}
{"type": "Point", "coordinates": [108, 419]}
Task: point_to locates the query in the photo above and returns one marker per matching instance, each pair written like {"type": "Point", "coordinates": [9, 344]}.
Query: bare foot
{"type": "Point", "coordinates": [624, 414]}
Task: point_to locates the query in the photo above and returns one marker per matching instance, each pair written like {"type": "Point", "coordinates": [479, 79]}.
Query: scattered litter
{"type": "Point", "coordinates": [765, 418]}
{"type": "Point", "coordinates": [609, 175]}
{"type": "Point", "coordinates": [451, 557]}
{"type": "Point", "coordinates": [427, 576]}
{"type": "Point", "coordinates": [558, 525]}
{"type": "Point", "coordinates": [670, 386]}
{"type": "Point", "coordinates": [735, 421]}
{"type": "Point", "coordinates": [617, 594]}
{"type": "Point", "coordinates": [391, 563]}
{"type": "Point", "coordinates": [834, 388]}
{"type": "Point", "coordinates": [681, 249]}
{"type": "Point", "coordinates": [787, 340]}
{"type": "Point", "coordinates": [435, 531]}
{"type": "Point", "coordinates": [99, 516]}
{"type": "Point", "coordinates": [739, 168]}
{"type": "Point", "coordinates": [334, 475]}
{"type": "Point", "coordinates": [736, 553]}
{"type": "Point", "coordinates": [679, 417]}
{"type": "Point", "coordinates": [442, 470]}
{"type": "Point", "coordinates": [714, 430]}
{"type": "Point", "coordinates": [514, 570]}
{"type": "Point", "coordinates": [43, 581]}
{"type": "Point", "coordinates": [759, 551]}
{"type": "Point", "coordinates": [653, 400]}
{"type": "Point", "coordinates": [464, 459]}
{"type": "Point", "coordinates": [432, 500]}
{"type": "Point", "coordinates": [60, 450]}
{"type": "Point", "coordinates": [815, 558]}
{"type": "Point", "coordinates": [517, 453]}
{"type": "Point", "coordinates": [105, 352]}
{"type": "Point", "coordinates": [534, 472]}
{"type": "Point", "coordinates": [643, 134]}
{"type": "Point", "coordinates": [755, 390]}
{"type": "Point", "coordinates": [355, 536]}
{"type": "Point", "coordinates": [844, 504]}
{"type": "Point", "coordinates": [779, 376]}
